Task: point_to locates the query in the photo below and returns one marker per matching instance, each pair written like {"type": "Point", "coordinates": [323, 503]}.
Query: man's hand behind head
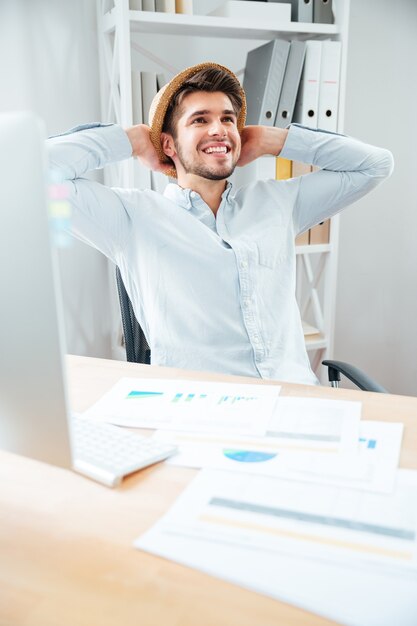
{"type": "Point", "coordinates": [260, 141]}
{"type": "Point", "coordinates": [143, 148]}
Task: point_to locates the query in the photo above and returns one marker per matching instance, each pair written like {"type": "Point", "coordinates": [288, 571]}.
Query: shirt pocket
{"type": "Point", "coordinates": [270, 246]}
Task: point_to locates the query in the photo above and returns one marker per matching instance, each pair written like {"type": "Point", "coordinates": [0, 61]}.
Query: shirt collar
{"type": "Point", "coordinates": [186, 197]}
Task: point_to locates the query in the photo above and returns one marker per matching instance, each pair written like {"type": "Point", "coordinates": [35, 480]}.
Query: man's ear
{"type": "Point", "coordinates": [168, 146]}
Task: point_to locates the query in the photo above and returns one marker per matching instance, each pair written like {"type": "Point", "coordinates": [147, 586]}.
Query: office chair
{"type": "Point", "coordinates": [137, 349]}
{"type": "Point", "coordinates": [357, 376]}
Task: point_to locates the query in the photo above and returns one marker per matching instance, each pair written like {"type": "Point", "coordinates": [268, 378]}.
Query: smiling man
{"type": "Point", "coordinates": [210, 270]}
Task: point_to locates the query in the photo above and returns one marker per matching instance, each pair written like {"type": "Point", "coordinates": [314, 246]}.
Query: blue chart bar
{"type": "Point", "coordinates": [188, 397]}
{"type": "Point", "coordinates": [370, 443]}
{"type": "Point", "coordinates": [233, 399]}
{"type": "Point", "coordinates": [144, 394]}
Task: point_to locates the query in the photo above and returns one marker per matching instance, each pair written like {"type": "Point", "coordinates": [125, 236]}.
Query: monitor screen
{"type": "Point", "coordinates": [33, 407]}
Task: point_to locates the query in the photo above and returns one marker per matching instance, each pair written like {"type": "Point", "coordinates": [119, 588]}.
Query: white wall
{"type": "Point", "coordinates": [377, 280]}
{"type": "Point", "coordinates": [49, 64]}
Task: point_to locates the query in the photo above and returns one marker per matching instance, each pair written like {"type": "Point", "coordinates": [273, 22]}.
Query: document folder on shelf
{"type": "Point", "coordinates": [292, 77]}
{"type": "Point", "coordinates": [264, 75]}
{"type": "Point", "coordinates": [301, 10]}
{"type": "Point", "coordinates": [329, 85]}
{"type": "Point", "coordinates": [323, 12]}
{"type": "Point", "coordinates": [149, 89]}
{"type": "Point", "coordinates": [137, 116]}
{"type": "Point", "coordinates": [306, 108]}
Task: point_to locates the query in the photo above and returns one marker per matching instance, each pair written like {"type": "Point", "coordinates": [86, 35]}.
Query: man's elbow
{"type": "Point", "coordinates": [385, 164]}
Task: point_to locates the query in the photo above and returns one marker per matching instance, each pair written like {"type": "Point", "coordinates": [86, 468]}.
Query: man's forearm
{"type": "Point", "coordinates": [138, 136]}
{"type": "Point", "coordinates": [144, 150]}
{"type": "Point", "coordinates": [85, 148]}
{"type": "Point", "coordinates": [338, 153]}
{"type": "Point", "coordinates": [258, 141]}
{"type": "Point", "coordinates": [273, 139]}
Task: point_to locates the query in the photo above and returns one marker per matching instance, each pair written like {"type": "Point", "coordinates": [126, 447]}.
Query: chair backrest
{"type": "Point", "coordinates": [137, 349]}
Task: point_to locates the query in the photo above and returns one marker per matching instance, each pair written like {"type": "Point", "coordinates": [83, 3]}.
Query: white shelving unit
{"type": "Point", "coordinates": [162, 40]}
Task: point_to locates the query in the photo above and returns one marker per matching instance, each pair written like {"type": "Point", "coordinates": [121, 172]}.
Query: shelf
{"type": "Point", "coordinates": [121, 30]}
{"type": "Point", "coordinates": [317, 248]}
{"type": "Point", "coordinates": [209, 26]}
{"type": "Point", "coordinates": [315, 342]}
{"type": "Point", "coordinates": [313, 338]}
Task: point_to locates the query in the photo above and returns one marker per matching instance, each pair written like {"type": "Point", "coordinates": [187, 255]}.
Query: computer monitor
{"type": "Point", "coordinates": [33, 406]}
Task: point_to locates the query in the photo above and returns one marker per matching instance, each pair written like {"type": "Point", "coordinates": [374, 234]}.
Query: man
{"type": "Point", "coordinates": [210, 270]}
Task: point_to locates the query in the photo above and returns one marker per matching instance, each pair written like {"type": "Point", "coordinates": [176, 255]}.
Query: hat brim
{"type": "Point", "coordinates": [162, 101]}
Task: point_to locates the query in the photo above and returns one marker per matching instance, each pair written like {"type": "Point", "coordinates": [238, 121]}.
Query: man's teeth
{"type": "Point", "coordinates": [222, 149]}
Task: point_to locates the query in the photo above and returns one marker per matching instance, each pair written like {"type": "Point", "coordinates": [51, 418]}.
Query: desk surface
{"type": "Point", "coordinates": [66, 542]}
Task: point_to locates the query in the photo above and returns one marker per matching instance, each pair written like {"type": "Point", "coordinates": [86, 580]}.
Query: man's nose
{"type": "Point", "coordinates": [217, 128]}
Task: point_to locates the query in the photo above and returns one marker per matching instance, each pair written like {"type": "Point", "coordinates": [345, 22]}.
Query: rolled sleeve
{"type": "Point", "coordinates": [99, 216]}
{"type": "Point", "coordinates": [349, 169]}
{"type": "Point", "coordinates": [86, 148]}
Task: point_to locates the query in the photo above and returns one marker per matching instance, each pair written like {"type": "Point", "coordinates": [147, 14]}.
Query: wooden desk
{"type": "Point", "coordinates": [66, 555]}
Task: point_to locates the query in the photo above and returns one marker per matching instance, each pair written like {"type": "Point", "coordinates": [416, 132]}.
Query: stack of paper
{"type": "Point", "coordinates": [347, 555]}
{"type": "Point", "coordinates": [297, 497]}
{"type": "Point", "coordinates": [307, 439]}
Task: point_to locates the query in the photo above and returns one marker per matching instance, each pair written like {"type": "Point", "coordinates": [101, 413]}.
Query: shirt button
{"type": "Point", "coordinates": [243, 265]}
{"type": "Point", "coordinates": [246, 302]}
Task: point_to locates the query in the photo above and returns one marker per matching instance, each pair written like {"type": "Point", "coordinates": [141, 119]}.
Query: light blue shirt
{"type": "Point", "coordinates": [216, 293]}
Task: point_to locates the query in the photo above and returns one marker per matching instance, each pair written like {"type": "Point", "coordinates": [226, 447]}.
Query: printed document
{"type": "Point", "coordinates": [348, 555]}
{"type": "Point", "coordinates": [372, 465]}
{"type": "Point", "coordinates": [316, 424]}
{"type": "Point", "coordinates": [313, 440]}
{"type": "Point", "coordinates": [188, 405]}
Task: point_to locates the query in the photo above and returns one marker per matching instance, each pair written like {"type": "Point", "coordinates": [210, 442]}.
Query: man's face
{"type": "Point", "coordinates": [207, 143]}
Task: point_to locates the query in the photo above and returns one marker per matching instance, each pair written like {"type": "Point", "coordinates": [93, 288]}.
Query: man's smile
{"type": "Point", "coordinates": [217, 149]}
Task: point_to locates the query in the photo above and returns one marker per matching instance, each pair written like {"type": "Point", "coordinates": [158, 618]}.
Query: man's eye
{"type": "Point", "coordinates": [229, 119]}
{"type": "Point", "coordinates": [199, 120]}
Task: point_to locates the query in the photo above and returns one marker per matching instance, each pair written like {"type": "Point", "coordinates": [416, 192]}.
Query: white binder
{"type": "Point", "coordinates": [329, 85]}
{"type": "Point", "coordinates": [306, 108]}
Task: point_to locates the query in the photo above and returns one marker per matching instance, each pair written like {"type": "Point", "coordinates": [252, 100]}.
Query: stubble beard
{"type": "Point", "coordinates": [199, 169]}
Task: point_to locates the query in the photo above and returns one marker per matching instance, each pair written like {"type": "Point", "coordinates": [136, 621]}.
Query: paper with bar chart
{"type": "Point", "coordinates": [300, 425]}
{"type": "Point", "coordinates": [313, 440]}
{"type": "Point", "coordinates": [188, 405]}
{"type": "Point", "coordinates": [345, 554]}
{"type": "Point", "coordinates": [315, 424]}
{"type": "Point", "coordinates": [371, 465]}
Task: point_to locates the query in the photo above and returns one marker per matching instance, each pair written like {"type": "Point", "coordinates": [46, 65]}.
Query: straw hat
{"type": "Point", "coordinates": [161, 102]}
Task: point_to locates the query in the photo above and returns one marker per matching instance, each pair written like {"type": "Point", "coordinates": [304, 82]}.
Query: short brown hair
{"type": "Point", "coordinates": [209, 80]}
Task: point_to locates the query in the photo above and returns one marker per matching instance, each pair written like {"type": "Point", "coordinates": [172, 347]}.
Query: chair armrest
{"type": "Point", "coordinates": [357, 376]}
